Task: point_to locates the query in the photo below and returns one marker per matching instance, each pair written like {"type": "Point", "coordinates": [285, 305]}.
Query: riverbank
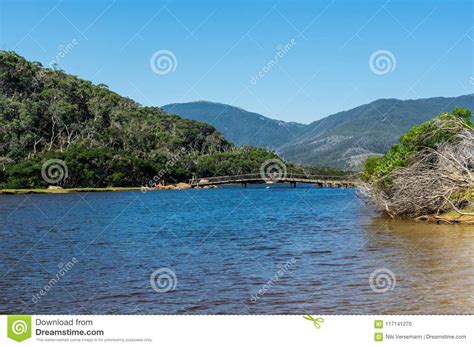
{"type": "Point", "coordinates": [451, 217]}
{"type": "Point", "coordinates": [59, 190]}
{"type": "Point", "coordinates": [64, 190]}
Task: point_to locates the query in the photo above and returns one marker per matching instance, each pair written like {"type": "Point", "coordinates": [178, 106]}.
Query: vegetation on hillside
{"type": "Point", "coordinates": [104, 139]}
{"type": "Point", "coordinates": [57, 129]}
{"type": "Point", "coordinates": [242, 127]}
{"type": "Point", "coordinates": [347, 138]}
{"type": "Point", "coordinates": [430, 171]}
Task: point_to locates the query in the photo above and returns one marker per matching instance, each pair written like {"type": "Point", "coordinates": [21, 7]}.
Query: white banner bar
{"type": "Point", "coordinates": [63, 330]}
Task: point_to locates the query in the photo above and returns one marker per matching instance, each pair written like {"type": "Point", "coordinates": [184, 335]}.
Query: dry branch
{"type": "Point", "coordinates": [435, 180]}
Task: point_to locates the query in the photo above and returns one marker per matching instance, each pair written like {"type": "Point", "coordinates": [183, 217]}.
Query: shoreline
{"type": "Point", "coordinates": [59, 190]}
{"type": "Point", "coordinates": [63, 190]}
{"type": "Point", "coordinates": [451, 217]}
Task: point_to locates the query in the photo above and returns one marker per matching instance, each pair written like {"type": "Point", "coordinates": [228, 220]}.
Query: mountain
{"type": "Point", "coordinates": [346, 138]}
{"type": "Point", "coordinates": [53, 124]}
{"type": "Point", "coordinates": [240, 126]}
{"type": "Point", "coordinates": [340, 140]}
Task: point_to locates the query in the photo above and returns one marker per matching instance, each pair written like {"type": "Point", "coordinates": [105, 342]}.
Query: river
{"type": "Point", "coordinates": [227, 251]}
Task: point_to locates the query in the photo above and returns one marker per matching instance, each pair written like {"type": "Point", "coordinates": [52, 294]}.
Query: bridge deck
{"type": "Point", "coordinates": [319, 180]}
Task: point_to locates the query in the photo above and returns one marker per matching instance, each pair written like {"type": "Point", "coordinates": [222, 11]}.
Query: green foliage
{"type": "Point", "coordinates": [25, 174]}
{"type": "Point", "coordinates": [429, 134]}
{"type": "Point", "coordinates": [463, 113]}
{"type": "Point", "coordinates": [316, 170]}
{"type": "Point", "coordinates": [104, 139]}
{"type": "Point", "coordinates": [371, 165]}
{"type": "Point", "coordinates": [86, 167]}
{"type": "Point", "coordinates": [239, 161]}
{"type": "Point", "coordinates": [42, 109]}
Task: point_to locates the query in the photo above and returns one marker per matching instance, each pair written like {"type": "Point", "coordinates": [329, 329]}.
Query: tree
{"type": "Point", "coordinates": [104, 139]}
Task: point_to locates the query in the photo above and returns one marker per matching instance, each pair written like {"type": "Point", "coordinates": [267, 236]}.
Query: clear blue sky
{"type": "Point", "coordinates": [221, 45]}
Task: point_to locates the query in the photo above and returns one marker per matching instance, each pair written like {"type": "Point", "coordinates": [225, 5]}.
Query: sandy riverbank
{"type": "Point", "coordinates": [59, 190]}
{"type": "Point", "coordinates": [451, 217]}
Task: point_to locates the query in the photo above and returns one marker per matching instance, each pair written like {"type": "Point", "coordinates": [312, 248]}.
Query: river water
{"type": "Point", "coordinates": [227, 251]}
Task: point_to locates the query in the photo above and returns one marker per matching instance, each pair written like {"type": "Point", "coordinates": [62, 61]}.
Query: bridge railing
{"type": "Point", "coordinates": [260, 177]}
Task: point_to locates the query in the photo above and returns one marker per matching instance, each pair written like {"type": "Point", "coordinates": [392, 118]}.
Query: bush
{"type": "Point", "coordinates": [428, 135]}
{"type": "Point", "coordinates": [429, 172]}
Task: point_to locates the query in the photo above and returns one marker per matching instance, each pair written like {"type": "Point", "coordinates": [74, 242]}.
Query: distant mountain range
{"type": "Point", "coordinates": [240, 126]}
{"type": "Point", "coordinates": [341, 140]}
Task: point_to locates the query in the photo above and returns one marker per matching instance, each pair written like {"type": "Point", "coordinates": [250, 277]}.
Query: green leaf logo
{"type": "Point", "coordinates": [19, 327]}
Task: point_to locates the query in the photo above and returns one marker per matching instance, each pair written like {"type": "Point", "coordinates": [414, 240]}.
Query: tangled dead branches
{"type": "Point", "coordinates": [435, 180]}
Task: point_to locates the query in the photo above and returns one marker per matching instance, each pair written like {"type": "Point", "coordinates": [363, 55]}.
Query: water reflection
{"type": "Point", "coordinates": [432, 264]}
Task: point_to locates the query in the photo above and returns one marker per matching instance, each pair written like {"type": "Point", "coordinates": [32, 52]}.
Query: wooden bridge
{"type": "Point", "coordinates": [291, 178]}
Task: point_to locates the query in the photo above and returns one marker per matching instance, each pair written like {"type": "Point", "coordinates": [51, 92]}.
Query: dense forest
{"type": "Point", "coordinates": [101, 138]}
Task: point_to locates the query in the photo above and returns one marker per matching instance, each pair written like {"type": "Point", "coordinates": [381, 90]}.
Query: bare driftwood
{"type": "Point", "coordinates": [435, 181]}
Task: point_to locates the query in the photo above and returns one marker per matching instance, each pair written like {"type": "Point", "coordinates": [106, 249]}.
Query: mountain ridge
{"type": "Point", "coordinates": [228, 119]}
{"type": "Point", "coordinates": [343, 139]}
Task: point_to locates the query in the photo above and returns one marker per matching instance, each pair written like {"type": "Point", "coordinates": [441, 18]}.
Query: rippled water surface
{"type": "Point", "coordinates": [233, 250]}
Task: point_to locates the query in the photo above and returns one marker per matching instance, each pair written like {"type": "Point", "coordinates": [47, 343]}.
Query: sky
{"type": "Point", "coordinates": [290, 60]}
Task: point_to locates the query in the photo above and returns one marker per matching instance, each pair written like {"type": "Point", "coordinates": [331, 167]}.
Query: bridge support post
{"type": "Point", "coordinates": [293, 184]}
{"type": "Point", "coordinates": [244, 184]}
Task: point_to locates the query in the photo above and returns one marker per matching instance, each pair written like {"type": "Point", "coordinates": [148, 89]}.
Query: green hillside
{"type": "Point", "coordinates": [103, 138]}
{"type": "Point", "coordinates": [343, 140]}
{"type": "Point", "coordinates": [238, 125]}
